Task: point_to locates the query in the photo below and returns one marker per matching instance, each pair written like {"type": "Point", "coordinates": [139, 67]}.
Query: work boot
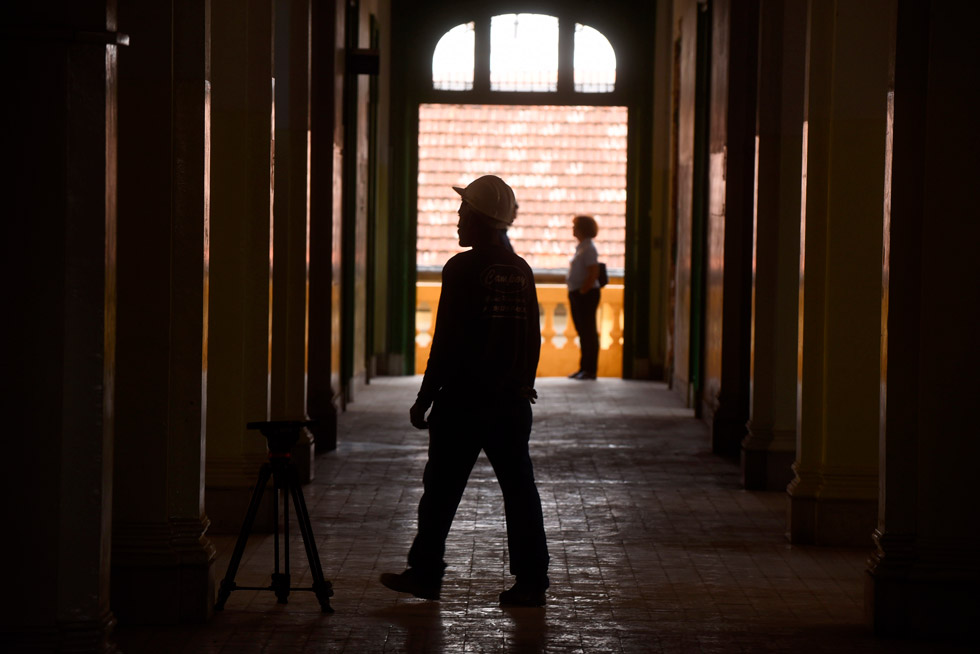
{"type": "Point", "coordinates": [523, 595]}
{"type": "Point", "coordinates": [413, 583]}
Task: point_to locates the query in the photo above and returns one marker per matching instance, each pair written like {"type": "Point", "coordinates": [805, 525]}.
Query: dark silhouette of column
{"type": "Point", "coordinates": [922, 576]}
{"type": "Point", "coordinates": [834, 495]}
{"type": "Point", "coordinates": [731, 176]}
{"type": "Point", "coordinates": [240, 265]}
{"type": "Point", "coordinates": [159, 523]}
{"type": "Point", "coordinates": [59, 258]}
{"type": "Point", "coordinates": [769, 448]}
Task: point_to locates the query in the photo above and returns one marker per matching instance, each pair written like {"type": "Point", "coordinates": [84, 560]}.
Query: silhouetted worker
{"type": "Point", "coordinates": [583, 295]}
{"type": "Point", "coordinates": [479, 382]}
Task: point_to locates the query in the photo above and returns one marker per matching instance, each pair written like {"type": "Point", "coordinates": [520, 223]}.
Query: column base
{"type": "Point", "coordinates": [831, 522]}
{"type": "Point", "coordinates": [727, 432]}
{"type": "Point", "coordinates": [163, 573]}
{"type": "Point", "coordinates": [163, 594]}
{"type": "Point", "coordinates": [324, 429]}
{"type": "Point", "coordinates": [902, 607]}
{"type": "Point", "coordinates": [82, 636]}
{"type": "Point", "coordinates": [302, 456]}
{"type": "Point", "coordinates": [766, 470]}
{"type": "Point", "coordinates": [390, 364]}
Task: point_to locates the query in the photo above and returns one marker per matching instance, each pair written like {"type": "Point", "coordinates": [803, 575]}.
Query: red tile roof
{"type": "Point", "coordinates": [560, 161]}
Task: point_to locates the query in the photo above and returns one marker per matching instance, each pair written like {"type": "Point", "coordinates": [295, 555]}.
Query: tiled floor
{"type": "Point", "coordinates": [654, 547]}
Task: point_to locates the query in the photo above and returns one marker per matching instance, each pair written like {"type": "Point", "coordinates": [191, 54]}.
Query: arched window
{"type": "Point", "coordinates": [523, 52]}
{"type": "Point", "coordinates": [524, 56]}
{"type": "Point", "coordinates": [452, 61]}
{"type": "Point", "coordinates": [595, 61]}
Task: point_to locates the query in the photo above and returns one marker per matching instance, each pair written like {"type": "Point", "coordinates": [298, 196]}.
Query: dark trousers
{"type": "Point", "coordinates": [583, 307]}
{"type": "Point", "coordinates": [457, 433]}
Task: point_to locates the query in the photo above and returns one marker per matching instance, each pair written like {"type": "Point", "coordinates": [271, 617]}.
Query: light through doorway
{"type": "Point", "coordinates": [561, 161]}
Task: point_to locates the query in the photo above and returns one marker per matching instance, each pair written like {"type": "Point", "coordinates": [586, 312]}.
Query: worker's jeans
{"type": "Point", "coordinates": [457, 432]}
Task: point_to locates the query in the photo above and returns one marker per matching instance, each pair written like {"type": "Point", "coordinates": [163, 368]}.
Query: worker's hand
{"type": "Point", "coordinates": [529, 394]}
{"type": "Point", "coordinates": [417, 414]}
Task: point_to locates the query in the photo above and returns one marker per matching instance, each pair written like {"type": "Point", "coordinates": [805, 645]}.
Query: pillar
{"type": "Point", "coordinates": [731, 179]}
{"type": "Point", "coordinates": [326, 184]}
{"type": "Point", "coordinates": [240, 262]}
{"type": "Point", "coordinates": [59, 260]}
{"type": "Point", "coordinates": [159, 525]}
{"type": "Point", "coordinates": [922, 576]}
{"type": "Point", "coordinates": [291, 223]}
{"type": "Point", "coordinates": [833, 497]}
{"type": "Point", "coordinates": [685, 275]}
{"type": "Point", "coordinates": [769, 448]}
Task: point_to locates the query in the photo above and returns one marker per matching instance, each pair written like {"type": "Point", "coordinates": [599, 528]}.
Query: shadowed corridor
{"type": "Point", "coordinates": [654, 546]}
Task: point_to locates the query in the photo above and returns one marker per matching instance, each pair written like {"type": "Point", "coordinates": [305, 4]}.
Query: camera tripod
{"type": "Point", "coordinates": [282, 435]}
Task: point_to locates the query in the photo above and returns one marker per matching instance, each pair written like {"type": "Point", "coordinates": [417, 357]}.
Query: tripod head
{"type": "Point", "coordinates": [281, 434]}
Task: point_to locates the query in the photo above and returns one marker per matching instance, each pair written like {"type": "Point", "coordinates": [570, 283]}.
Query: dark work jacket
{"type": "Point", "coordinates": [487, 338]}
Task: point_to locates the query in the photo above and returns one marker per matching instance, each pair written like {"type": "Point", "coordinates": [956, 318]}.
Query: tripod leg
{"type": "Point", "coordinates": [228, 583]}
{"type": "Point", "coordinates": [281, 581]}
{"type": "Point", "coordinates": [321, 587]}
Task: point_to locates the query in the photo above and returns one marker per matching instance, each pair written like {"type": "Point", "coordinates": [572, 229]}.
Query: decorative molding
{"type": "Point", "coordinates": [917, 560]}
{"type": "Point", "coordinates": [766, 437]}
{"type": "Point", "coordinates": [64, 636]}
{"type": "Point", "coordinates": [303, 454]}
{"type": "Point", "coordinates": [834, 482]}
{"type": "Point", "coordinates": [233, 472]}
{"type": "Point", "coordinates": [179, 541]}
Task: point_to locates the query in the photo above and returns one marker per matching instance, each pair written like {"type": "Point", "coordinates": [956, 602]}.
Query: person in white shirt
{"type": "Point", "coordinates": [583, 294]}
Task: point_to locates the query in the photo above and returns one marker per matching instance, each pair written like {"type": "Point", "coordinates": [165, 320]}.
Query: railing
{"type": "Point", "coordinates": [559, 340]}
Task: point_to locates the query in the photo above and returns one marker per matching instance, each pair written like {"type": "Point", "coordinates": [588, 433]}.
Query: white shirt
{"type": "Point", "coordinates": [578, 268]}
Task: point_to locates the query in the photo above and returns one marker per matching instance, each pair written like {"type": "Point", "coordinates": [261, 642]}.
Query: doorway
{"type": "Point", "coordinates": [561, 161]}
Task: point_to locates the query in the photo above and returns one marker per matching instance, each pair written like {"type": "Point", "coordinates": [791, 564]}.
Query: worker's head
{"type": "Point", "coordinates": [475, 228]}
{"type": "Point", "coordinates": [584, 227]}
{"type": "Point", "coordinates": [491, 198]}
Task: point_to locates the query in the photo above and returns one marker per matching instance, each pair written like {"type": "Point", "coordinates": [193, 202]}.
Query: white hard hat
{"type": "Point", "coordinates": [493, 198]}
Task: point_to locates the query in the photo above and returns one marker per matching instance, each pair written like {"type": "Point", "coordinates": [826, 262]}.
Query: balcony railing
{"type": "Point", "coordinates": [559, 340]}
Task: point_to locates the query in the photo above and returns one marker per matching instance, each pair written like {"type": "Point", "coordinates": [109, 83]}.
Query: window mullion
{"type": "Point", "coordinates": [481, 75]}
{"type": "Point", "coordinates": [566, 55]}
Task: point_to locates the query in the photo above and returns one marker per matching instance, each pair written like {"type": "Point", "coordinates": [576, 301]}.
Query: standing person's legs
{"type": "Point", "coordinates": [578, 320]}
{"type": "Point", "coordinates": [583, 309]}
{"type": "Point", "coordinates": [453, 449]}
{"type": "Point", "coordinates": [507, 450]}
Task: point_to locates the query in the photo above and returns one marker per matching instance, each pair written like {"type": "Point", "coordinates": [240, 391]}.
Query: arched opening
{"type": "Point", "coordinates": [562, 159]}
{"type": "Point", "coordinates": [452, 61]}
{"type": "Point", "coordinates": [523, 53]}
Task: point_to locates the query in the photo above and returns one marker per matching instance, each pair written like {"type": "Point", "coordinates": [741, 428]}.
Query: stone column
{"type": "Point", "coordinates": [685, 186]}
{"type": "Point", "coordinates": [291, 216]}
{"type": "Point", "coordinates": [923, 575]}
{"type": "Point", "coordinates": [59, 262]}
{"type": "Point", "coordinates": [326, 193]}
{"type": "Point", "coordinates": [240, 255]}
{"type": "Point", "coordinates": [833, 498]}
{"type": "Point", "coordinates": [731, 180]}
{"type": "Point", "coordinates": [159, 522]}
{"type": "Point", "coordinates": [769, 448]}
